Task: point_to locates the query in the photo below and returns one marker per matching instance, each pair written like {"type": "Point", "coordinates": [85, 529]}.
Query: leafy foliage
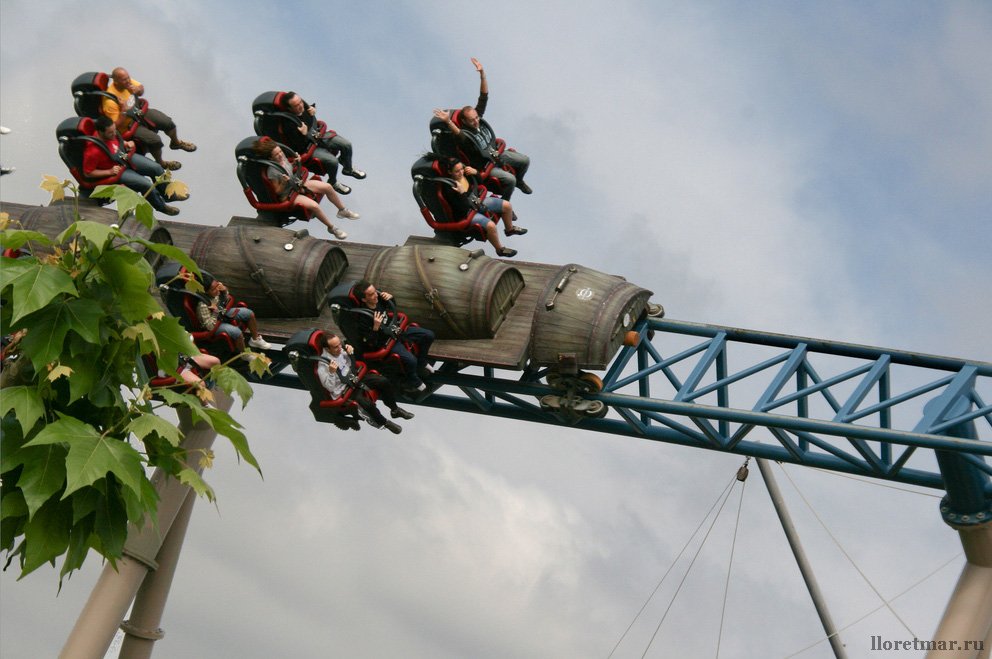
{"type": "Point", "coordinates": [79, 430]}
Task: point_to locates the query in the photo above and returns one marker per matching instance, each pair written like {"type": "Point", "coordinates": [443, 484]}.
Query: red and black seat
{"type": "Point", "coordinates": [303, 352]}
{"type": "Point", "coordinates": [482, 154]}
{"type": "Point", "coordinates": [430, 178]}
{"type": "Point", "coordinates": [346, 309]}
{"type": "Point", "coordinates": [261, 193]}
{"type": "Point", "coordinates": [181, 302]}
{"type": "Point", "coordinates": [73, 135]}
{"type": "Point", "coordinates": [89, 90]}
{"type": "Point", "coordinates": [274, 119]}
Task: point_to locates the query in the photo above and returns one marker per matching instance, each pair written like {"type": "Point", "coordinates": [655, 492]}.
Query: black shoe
{"type": "Point", "coordinates": [523, 187]}
{"type": "Point", "coordinates": [400, 413]}
{"type": "Point", "coordinates": [515, 231]}
{"type": "Point", "coordinates": [506, 252]}
{"type": "Point", "coordinates": [170, 210]}
{"type": "Point", "coordinates": [392, 427]}
{"type": "Point", "coordinates": [367, 418]}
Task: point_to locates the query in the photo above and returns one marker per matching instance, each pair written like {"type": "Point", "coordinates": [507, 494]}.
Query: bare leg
{"type": "Point", "coordinates": [493, 235]}
{"type": "Point", "coordinates": [507, 215]}
{"type": "Point", "coordinates": [325, 189]}
{"type": "Point", "coordinates": [309, 204]}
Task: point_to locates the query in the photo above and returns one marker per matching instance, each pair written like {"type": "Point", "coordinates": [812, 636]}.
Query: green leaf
{"type": "Point", "coordinates": [145, 424]}
{"type": "Point", "coordinates": [15, 238]}
{"type": "Point", "coordinates": [129, 281]}
{"type": "Point", "coordinates": [111, 522]}
{"type": "Point", "coordinates": [27, 404]}
{"type": "Point", "coordinates": [45, 340]}
{"type": "Point", "coordinates": [12, 505]}
{"type": "Point", "coordinates": [127, 200]}
{"type": "Point", "coordinates": [232, 382]}
{"type": "Point", "coordinates": [33, 285]}
{"type": "Point", "coordinates": [43, 474]}
{"type": "Point", "coordinates": [98, 235]}
{"type": "Point", "coordinates": [171, 252]}
{"type": "Point", "coordinates": [194, 480]}
{"type": "Point", "coordinates": [91, 457]}
{"type": "Point", "coordinates": [46, 536]}
{"type": "Point", "coordinates": [227, 426]}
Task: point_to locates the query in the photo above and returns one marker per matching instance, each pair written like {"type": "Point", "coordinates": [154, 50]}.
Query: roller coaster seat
{"type": "Point", "coordinates": [181, 303]}
{"type": "Point", "coordinates": [259, 190]}
{"type": "Point", "coordinates": [159, 379]}
{"type": "Point", "coordinates": [303, 351]}
{"type": "Point", "coordinates": [275, 120]}
{"type": "Point", "coordinates": [88, 93]}
{"type": "Point", "coordinates": [346, 308]}
{"type": "Point", "coordinates": [73, 135]}
{"type": "Point", "coordinates": [482, 157]}
{"type": "Point", "coordinates": [429, 178]}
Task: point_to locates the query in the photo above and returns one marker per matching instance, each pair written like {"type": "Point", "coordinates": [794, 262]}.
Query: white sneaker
{"type": "Point", "coordinates": [260, 343]}
{"type": "Point", "coordinates": [346, 214]}
{"type": "Point", "coordinates": [4, 130]}
{"type": "Point", "coordinates": [340, 234]}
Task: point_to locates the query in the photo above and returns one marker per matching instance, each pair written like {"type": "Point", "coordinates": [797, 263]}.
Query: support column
{"type": "Point", "coordinates": [114, 591]}
{"type": "Point", "coordinates": [966, 627]}
{"type": "Point", "coordinates": [142, 629]}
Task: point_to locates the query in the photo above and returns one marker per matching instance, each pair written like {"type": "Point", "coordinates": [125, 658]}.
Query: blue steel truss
{"type": "Point", "coordinates": [836, 406]}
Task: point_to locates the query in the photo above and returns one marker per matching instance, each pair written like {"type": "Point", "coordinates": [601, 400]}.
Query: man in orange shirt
{"type": "Point", "coordinates": [126, 91]}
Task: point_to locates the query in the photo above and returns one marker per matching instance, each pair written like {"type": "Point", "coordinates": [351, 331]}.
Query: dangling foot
{"type": "Point", "coordinates": [260, 343]}
{"type": "Point", "coordinates": [170, 210]}
{"type": "Point", "coordinates": [515, 231]}
{"type": "Point", "coordinates": [523, 187]}
{"type": "Point", "coordinates": [345, 214]}
{"type": "Point", "coordinates": [400, 413]}
{"type": "Point", "coordinates": [340, 234]}
{"type": "Point", "coordinates": [392, 427]}
{"type": "Point", "coordinates": [182, 145]}
{"type": "Point", "coordinates": [506, 252]}
{"type": "Point", "coordinates": [341, 188]}
{"type": "Point", "coordinates": [171, 165]}
{"type": "Point", "coordinates": [354, 173]}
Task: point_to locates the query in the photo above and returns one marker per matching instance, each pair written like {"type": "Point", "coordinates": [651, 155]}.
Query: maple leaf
{"type": "Point", "coordinates": [54, 186]}
{"type": "Point", "coordinates": [176, 189]}
{"type": "Point", "coordinates": [59, 371]}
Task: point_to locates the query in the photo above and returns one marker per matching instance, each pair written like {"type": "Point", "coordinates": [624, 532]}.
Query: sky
{"type": "Point", "coordinates": [818, 169]}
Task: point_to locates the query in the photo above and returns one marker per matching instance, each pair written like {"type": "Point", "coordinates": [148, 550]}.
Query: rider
{"type": "Point", "coordinates": [326, 146]}
{"type": "Point", "coordinates": [373, 329]}
{"type": "Point", "coordinates": [126, 90]}
{"type": "Point", "coordinates": [335, 372]}
{"type": "Point", "coordinates": [282, 176]}
{"type": "Point", "coordinates": [97, 163]}
{"type": "Point", "coordinates": [463, 198]}
{"type": "Point", "coordinates": [219, 316]}
{"type": "Point", "coordinates": [468, 129]}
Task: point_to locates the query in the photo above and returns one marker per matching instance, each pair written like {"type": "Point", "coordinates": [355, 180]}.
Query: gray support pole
{"type": "Point", "coordinates": [114, 591]}
{"type": "Point", "coordinates": [142, 629]}
{"type": "Point", "coordinates": [804, 567]}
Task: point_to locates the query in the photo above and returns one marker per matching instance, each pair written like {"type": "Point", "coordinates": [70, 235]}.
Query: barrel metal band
{"type": "Point", "coordinates": [432, 295]}
{"type": "Point", "coordinates": [257, 273]}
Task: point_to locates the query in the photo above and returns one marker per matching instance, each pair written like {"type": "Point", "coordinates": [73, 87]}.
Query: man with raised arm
{"type": "Point", "coordinates": [467, 128]}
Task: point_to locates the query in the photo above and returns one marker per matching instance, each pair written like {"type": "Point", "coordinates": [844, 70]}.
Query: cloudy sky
{"type": "Point", "coordinates": [818, 169]}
